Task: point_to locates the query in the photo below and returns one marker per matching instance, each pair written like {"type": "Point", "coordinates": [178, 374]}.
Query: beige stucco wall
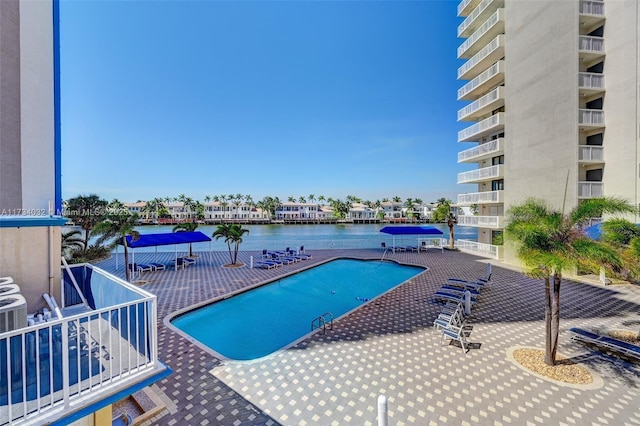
{"type": "Point", "coordinates": [541, 108]}
{"type": "Point", "coordinates": [621, 175]}
{"type": "Point", "coordinates": [31, 255]}
{"type": "Point", "coordinates": [37, 104]}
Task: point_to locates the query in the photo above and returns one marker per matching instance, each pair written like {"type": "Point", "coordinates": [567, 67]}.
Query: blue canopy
{"type": "Point", "coordinates": [150, 240]}
{"type": "Point", "coordinates": [411, 230]}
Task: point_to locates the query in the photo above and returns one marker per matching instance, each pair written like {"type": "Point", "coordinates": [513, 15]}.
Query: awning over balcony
{"type": "Point", "coordinates": [151, 240]}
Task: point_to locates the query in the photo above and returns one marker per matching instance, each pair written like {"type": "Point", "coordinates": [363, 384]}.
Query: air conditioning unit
{"type": "Point", "coordinates": [13, 312]}
{"type": "Point", "coordinates": [9, 289]}
{"type": "Point", "coordinates": [6, 280]}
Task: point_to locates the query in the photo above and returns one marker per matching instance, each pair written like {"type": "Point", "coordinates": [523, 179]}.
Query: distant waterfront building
{"type": "Point", "coordinates": [66, 365]}
{"type": "Point", "coordinates": [553, 101]}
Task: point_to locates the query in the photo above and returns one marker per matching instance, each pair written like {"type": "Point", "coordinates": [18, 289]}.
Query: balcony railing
{"type": "Point", "coordinates": [485, 103]}
{"type": "Point", "coordinates": [471, 21]}
{"type": "Point", "coordinates": [493, 50]}
{"type": "Point", "coordinates": [491, 75]}
{"type": "Point", "coordinates": [464, 4]}
{"type": "Point", "coordinates": [488, 197]}
{"type": "Point", "coordinates": [591, 44]}
{"type": "Point", "coordinates": [51, 368]}
{"type": "Point", "coordinates": [480, 249]}
{"type": "Point", "coordinates": [592, 7]}
{"type": "Point", "coordinates": [590, 80]}
{"type": "Point", "coordinates": [591, 117]}
{"type": "Point", "coordinates": [481, 128]}
{"type": "Point", "coordinates": [480, 151]}
{"type": "Point", "coordinates": [478, 175]}
{"type": "Point", "coordinates": [481, 221]}
{"type": "Point", "coordinates": [481, 32]}
{"type": "Point", "coordinates": [590, 190]}
{"type": "Point", "coordinates": [591, 153]}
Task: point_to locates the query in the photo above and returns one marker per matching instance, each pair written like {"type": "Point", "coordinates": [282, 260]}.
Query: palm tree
{"type": "Point", "coordinates": [117, 225]}
{"type": "Point", "coordinates": [71, 241]}
{"type": "Point", "coordinates": [450, 223]}
{"type": "Point", "coordinates": [551, 242]}
{"type": "Point", "coordinates": [86, 211]}
{"type": "Point", "coordinates": [232, 234]}
{"type": "Point", "coordinates": [186, 227]}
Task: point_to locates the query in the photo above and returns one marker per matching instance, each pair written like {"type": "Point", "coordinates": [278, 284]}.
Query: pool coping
{"type": "Point", "coordinates": [224, 359]}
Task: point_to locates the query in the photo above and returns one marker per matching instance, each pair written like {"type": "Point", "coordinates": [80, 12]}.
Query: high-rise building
{"type": "Point", "coordinates": [73, 339]}
{"type": "Point", "coordinates": [553, 107]}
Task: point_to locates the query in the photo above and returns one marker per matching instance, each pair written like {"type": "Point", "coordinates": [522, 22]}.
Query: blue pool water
{"type": "Point", "coordinates": [258, 322]}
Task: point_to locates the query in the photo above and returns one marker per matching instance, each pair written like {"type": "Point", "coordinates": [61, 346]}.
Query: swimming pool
{"type": "Point", "coordinates": [260, 321]}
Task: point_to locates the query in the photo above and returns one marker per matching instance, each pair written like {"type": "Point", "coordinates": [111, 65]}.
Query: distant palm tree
{"type": "Point", "coordinates": [86, 211]}
{"type": "Point", "coordinates": [186, 227]}
{"type": "Point", "coordinates": [72, 241]}
{"type": "Point", "coordinates": [291, 199]}
{"type": "Point", "coordinates": [118, 224]}
{"type": "Point", "coordinates": [232, 234]}
{"type": "Point", "coordinates": [311, 198]}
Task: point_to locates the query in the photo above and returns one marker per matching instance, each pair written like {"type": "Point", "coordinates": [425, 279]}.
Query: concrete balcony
{"type": "Point", "coordinates": [482, 152]}
{"type": "Point", "coordinates": [591, 14]}
{"type": "Point", "coordinates": [482, 175]}
{"type": "Point", "coordinates": [590, 190]}
{"type": "Point", "coordinates": [466, 6]}
{"type": "Point", "coordinates": [492, 222]}
{"type": "Point", "coordinates": [491, 77]}
{"type": "Point", "coordinates": [590, 118]}
{"type": "Point", "coordinates": [478, 16]}
{"type": "Point", "coordinates": [590, 83]}
{"type": "Point", "coordinates": [491, 53]}
{"type": "Point", "coordinates": [590, 48]}
{"type": "Point", "coordinates": [487, 31]}
{"type": "Point", "coordinates": [480, 249]}
{"type": "Point", "coordinates": [592, 154]}
{"type": "Point", "coordinates": [488, 197]}
{"type": "Point", "coordinates": [483, 128]}
{"type": "Point", "coordinates": [483, 106]}
{"type": "Point", "coordinates": [86, 353]}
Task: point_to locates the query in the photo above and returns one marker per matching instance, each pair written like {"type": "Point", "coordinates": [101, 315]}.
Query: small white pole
{"type": "Point", "coordinates": [251, 262]}
{"type": "Point", "coordinates": [488, 269]}
{"type": "Point", "coordinates": [383, 419]}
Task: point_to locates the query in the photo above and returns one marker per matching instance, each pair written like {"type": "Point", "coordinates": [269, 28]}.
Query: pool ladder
{"type": "Point", "coordinates": [321, 322]}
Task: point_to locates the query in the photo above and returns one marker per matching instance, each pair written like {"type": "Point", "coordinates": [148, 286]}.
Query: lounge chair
{"type": "Point", "coordinates": [620, 346]}
{"type": "Point", "coordinates": [411, 248]}
{"type": "Point", "coordinates": [457, 291]}
{"type": "Point", "coordinates": [453, 332]}
{"type": "Point", "coordinates": [158, 266]}
{"type": "Point", "coordinates": [264, 264]}
{"type": "Point", "coordinates": [474, 291]}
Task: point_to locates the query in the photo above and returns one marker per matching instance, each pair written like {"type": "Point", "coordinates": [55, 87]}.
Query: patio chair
{"type": "Point", "coordinates": [450, 317]}
{"type": "Point", "coordinates": [456, 333]}
{"type": "Point", "coordinates": [620, 346]}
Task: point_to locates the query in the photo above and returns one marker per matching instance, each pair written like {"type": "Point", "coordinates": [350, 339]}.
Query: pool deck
{"type": "Point", "coordinates": [389, 347]}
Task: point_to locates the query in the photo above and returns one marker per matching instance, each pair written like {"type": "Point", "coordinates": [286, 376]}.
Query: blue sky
{"type": "Point", "coordinates": [278, 98]}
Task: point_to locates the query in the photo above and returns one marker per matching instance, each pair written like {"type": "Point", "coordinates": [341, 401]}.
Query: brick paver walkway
{"type": "Point", "coordinates": [389, 347]}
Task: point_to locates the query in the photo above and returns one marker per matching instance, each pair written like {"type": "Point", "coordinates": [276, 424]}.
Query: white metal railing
{"type": "Point", "coordinates": [591, 117]}
{"type": "Point", "coordinates": [480, 197]}
{"type": "Point", "coordinates": [590, 80]}
{"type": "Point", "coordinates": [590, 153]}
{"type": "Point", "coordinates": [483, 126]}
{"type": "Point", "coordinates": [462, 6]}
{"type": "Point", "coordinates": [491, 47]}
{"type": "Point", "coordinates": [486, 250]}
{"type": "Point", "coordinates": [48, 367]}
{"type": "Point", "coordinates": [590, 189]}
{"type": "Point", "coordinates": [591, 44]}
{"type": "Point", "coordinates": [483, 77]}
{"type": "Point", "coordinates": [481, 221]}
{"type": "Point", "coordinates": [476, 105]}
{"type": "Point", "coordinates": [480, 174]}
{"type": "Point", "coordinates": [592, 7]}
{"type": "Point", "coordinates": [473, 16]}
{"type": "Point", "coordinates": [486, 148]}
{"type": "Point", "coordinates": [477, 34]}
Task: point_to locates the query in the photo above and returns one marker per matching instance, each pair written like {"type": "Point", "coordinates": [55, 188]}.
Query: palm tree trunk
{"type": "Point", "coordinates": [555, 315]}
{"type": "Point", "coordinates": [548, 357]}
{"type": "Point", "coordinates": [126, 259]}
{"type": "Point", "coordinates": [230, 254]}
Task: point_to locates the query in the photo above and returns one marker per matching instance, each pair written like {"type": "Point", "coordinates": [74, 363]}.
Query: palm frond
{"type": "Point", "coordinates": [596, 207]}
